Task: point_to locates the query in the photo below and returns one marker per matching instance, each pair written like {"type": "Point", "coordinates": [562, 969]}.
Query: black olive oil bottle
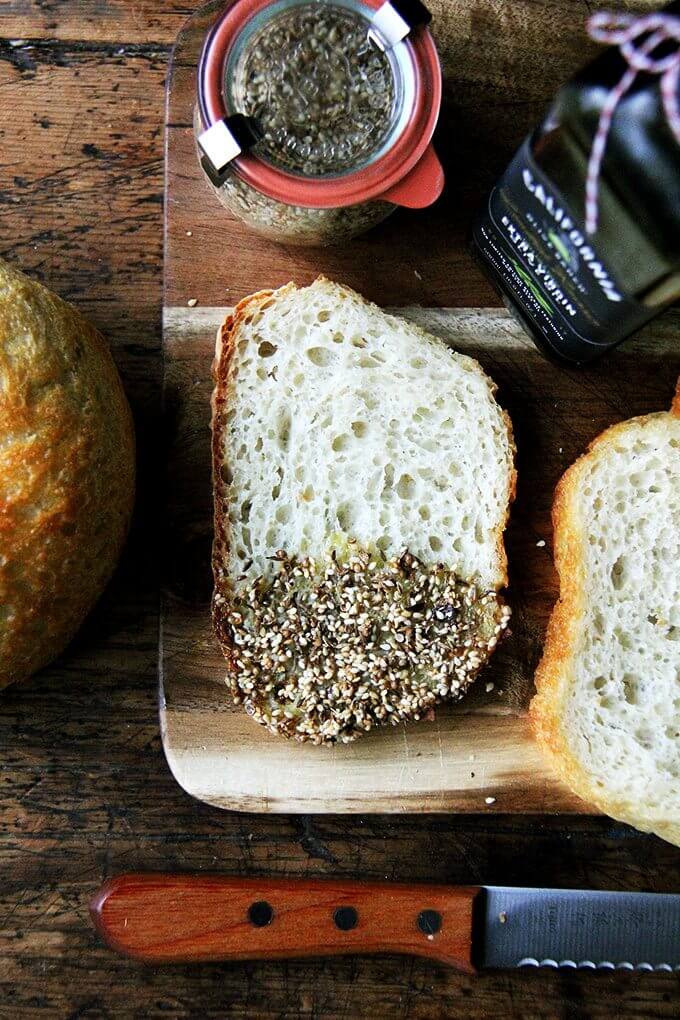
{"type": "Point", "coordinates": [581, 287]}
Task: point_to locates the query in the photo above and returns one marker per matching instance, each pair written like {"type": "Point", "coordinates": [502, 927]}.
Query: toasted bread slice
{"type": "Point", "coordinates": [362, 478]}
{"type": "Point", "coordinates": [607, 709]}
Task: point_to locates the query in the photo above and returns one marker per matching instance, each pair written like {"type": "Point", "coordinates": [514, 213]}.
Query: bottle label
{"type": "Point", "coordinates": [537, 249]}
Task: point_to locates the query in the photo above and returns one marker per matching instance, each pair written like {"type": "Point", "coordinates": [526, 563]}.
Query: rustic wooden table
{"type": "Point", "coordinates": [85, 789]}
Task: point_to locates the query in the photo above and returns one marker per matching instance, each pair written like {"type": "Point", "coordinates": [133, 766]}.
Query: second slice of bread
{"type": "Point", "coordinates": [608, 705]}
{"type": "Point", "coordinates": [344, 437]}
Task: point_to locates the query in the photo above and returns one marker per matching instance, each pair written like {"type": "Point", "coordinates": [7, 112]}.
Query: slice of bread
{"type": "Point", "coordinates": [607, 709]}
{"type": "Point", "coordinates": [344, 438]}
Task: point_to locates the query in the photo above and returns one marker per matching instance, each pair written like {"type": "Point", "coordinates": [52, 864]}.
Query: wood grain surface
{"type": "Point", "coordinates": [85, 790]}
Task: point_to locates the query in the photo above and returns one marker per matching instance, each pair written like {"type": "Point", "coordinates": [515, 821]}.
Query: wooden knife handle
{"type": "Point", "coordinates": [182, 918]}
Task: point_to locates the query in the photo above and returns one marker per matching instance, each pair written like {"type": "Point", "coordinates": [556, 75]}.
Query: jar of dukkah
{"type": "Point", "coordinates": [315, 117]}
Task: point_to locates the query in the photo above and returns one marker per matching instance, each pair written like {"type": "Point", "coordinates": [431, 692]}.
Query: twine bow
{"type": "Point", "coordinates": [636, 38]}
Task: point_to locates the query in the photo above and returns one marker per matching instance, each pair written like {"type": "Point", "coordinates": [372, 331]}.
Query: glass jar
{"type": "Point", "coordinates": [315, 117]}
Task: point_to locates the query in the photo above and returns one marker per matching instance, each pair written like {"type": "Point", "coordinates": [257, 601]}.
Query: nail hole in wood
{"type": "Point", "coordinates": [429, 921]}
{"type": "Point", "coordinates": [345, 918]}
{"type": "Point", "coordinates": [260, 914]}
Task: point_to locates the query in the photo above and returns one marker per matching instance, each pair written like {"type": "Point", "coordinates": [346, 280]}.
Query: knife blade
{"type": "Point", "coordinates": [579, 928]}
{"type": "Point", "coordinates": [184, 918]}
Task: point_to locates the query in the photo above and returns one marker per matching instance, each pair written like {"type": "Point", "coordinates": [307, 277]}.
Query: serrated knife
{"type": "Point", "coordinates": [183, 918]}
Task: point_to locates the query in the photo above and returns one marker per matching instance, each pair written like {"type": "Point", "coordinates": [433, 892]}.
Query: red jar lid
{"type": "Point", "coordinates": [408, 173]}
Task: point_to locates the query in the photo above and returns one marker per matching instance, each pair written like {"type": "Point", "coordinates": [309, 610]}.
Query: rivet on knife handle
{"type": "Point", "coordinates": [183, 918]}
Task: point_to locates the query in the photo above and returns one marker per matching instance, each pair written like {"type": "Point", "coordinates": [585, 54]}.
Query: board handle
{"type": "Point", "coordinates": [163, 918]}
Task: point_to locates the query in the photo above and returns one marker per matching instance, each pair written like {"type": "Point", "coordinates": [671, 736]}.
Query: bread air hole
{"type": "Point", "coordinates": [319, 356]}
{"type": "Point", "coordinates": [340, 442]}
{"type": "Point", "coordinates": [406, 487]}
{"type": "Point", "coordinates": [424, 512]}
{"type": "Point", "coordinates": [359, 428]}
{"type": "Point", "coordinates": [618, 573]}
{"type": "Point", "coordinates": [324, 315]}
{"type": "Point", "coordinates": [623, 638]}
{"type": "Point", "coordinates": [370, 402]}
{"type": "Point", "coordinates": [266, 350]}
{"type": "Point", "coordinates": [283, 425]}
{"type": "Point", "coordinates": [283, 513]}
{"type": "Point", "coordinates": [631, 688]}
{"type": "Point", "coordinates": [346, 515]}
{"type": "Point", "coordinates": [226, 474]}
{"type": "Point", "coordinates": [308, 494]}
{"type": "Point", "coordinates": [435, 543]}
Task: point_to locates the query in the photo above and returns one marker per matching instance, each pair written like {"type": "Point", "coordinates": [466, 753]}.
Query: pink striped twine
{"type": "Point", "coordinates": [625, 31]}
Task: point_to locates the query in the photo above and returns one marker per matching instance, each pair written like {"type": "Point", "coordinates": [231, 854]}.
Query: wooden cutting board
{"type": "Point", "coordinates": [481, 749]}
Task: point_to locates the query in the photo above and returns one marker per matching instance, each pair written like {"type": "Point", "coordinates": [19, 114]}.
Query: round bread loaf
{"type": "Point", "coordinates": [66, 472]}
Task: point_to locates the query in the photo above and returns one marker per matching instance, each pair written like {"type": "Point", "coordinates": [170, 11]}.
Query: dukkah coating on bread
{"type": "Point", "coordinates": [362, 477]}
{"type": "Point", "coordinates": [66, 472]}
{"type": "Point", "coordinates": [326, 653]}
{"type": "Point", "coordinates": [607, 711]}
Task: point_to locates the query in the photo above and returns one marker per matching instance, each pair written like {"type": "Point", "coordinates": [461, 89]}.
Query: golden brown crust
{"type": "Point", "coordinates": [66, 473]}
{"type": "Point", "coordinates": [553, 675]}
{"type": "Point", "coordinates": [224, 350]}
{"type": "Point", "coordinates": [675, 406]}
